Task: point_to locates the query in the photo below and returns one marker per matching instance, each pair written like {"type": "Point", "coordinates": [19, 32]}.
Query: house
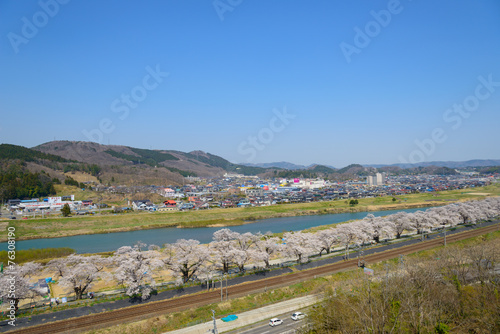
{"type": "Point", "coordinates": [166, 208]}
{"type": "Point", "coordinates": [141, 204]}
{"type": "Point", "coordinates": [167, 192]}
{"type": "Point", "coordinates": [186, 206]}
{"type": "Point", "coordinates": [254, 192]}
{"type": "Point", "coordinates": [170, 203]}
{"type": "Point", "coordinates": [244, 203]}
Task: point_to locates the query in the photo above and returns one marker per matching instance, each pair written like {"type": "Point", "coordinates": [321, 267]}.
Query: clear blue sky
{"type": "Point", "coordinates": [67, 69]}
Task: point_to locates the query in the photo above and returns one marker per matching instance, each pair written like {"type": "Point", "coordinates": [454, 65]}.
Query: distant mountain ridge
{"type": "Point", "coordinates": [116, 164]}
{"type": "Point", "coordinates": [448, 164]}
{"type": "Point", "coordinates": [281, 164]}
{"type": "Point", "coordinates": [195, 163]}
{"type": "Point", "coordinates": [285, 165]}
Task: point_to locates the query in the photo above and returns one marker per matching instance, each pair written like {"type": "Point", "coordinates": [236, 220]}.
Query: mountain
{"type": "Point", "coordinates": [281, 165]}
{"type": "Point", "coordinates": [321, 169]}
{"type": "Point", "coordinates": [124, 165]}
{"type": "Point", "coordinates": [15, 152]}
{"type": "Point", "coordinates": [114, 158]}
{"type": "Point", "coordinates": [448, 164]}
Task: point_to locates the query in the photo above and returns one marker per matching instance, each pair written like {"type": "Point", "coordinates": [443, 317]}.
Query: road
{"type": "Point", "coordinates": [288, 327]}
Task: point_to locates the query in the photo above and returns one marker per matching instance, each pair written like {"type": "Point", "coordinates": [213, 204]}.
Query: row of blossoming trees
{"type": "Point", "coordinates": [134, 268]}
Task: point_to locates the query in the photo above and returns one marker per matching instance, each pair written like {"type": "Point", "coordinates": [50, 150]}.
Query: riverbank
{"type": "Point", "coordinates": [83, 225]}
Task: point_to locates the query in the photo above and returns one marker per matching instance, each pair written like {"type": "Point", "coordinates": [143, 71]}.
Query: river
{"type": "Point", "coordinates": [95, 243]}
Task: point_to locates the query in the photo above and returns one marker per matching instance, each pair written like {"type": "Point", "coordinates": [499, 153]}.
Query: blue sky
{"type": "Point", "coordinates": [351, 81]}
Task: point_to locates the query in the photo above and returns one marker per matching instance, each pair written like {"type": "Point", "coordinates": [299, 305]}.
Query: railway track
{"type": "Point", "coordinates": [138, 312]}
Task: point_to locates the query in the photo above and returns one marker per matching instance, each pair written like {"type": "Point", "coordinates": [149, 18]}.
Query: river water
{"type": "Point", "coordinates": [94, 243]}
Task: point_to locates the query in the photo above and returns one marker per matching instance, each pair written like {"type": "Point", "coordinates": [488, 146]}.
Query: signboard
{"type": "Point", "coordinates": [54, 199]}
{"type": "Point", "coordinates": [296, 180]}
{"type": "Point", "coordinates": [368, 271]}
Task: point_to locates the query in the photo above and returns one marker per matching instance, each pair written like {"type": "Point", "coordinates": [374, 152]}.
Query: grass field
{"type": "Point", "coordinates": [59, 227]}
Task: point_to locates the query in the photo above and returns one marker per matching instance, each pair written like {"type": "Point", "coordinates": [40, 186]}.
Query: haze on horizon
{"type": "Point", "coordinates": [335, 83]}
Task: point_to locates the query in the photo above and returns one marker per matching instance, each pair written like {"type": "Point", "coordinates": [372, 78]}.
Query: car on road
{"type": "Point", "coordinates": [298, 316]}
{"type": "Point", "coordinates": [275, 322]}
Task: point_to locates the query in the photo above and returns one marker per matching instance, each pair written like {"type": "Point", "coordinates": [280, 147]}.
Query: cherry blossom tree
{"type": "Point", "coordinates": [243, 243]}
{"type": "Point", "coordinates": [382, 228]}
{"type": "Point", "coordinates": [185, 257]}
{"type": "Point", "coordinates": [419, 221]}
{"type": "Point", "coordinates": [326, 239]}
{"type": "Point", "coordinates": [401, 223]}
{"type": "Point", "coordinates": [15, 284]}
{"type": "Point", "coordinates": [348, 233]}
{"type": "Point", "coordinates": [135, 270]}
{"type": "Point", "coordinates": [223, 248]}
{"type": "Point", "coordinates": [444, 215]}
{"type": "Point", "coordinates": [241, 258]}
{"type": "Point", "coordinates": [297, 244]}
{"type": "Point", "coordinates": [78, 272]}
{"type": "Point", "coordinates": [267, 245]}
{"type": "Point", "coordinates": [469, 213]}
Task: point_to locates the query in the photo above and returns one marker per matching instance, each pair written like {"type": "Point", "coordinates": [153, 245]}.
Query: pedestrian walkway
{"type": "Point", "coordinates": [253, 316]}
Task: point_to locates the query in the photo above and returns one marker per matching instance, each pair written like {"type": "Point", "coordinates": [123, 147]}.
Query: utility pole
{"type": "Point", "coordinates": [445, 237]}
{"type": "Point", "coordinates": [221, 288]}
{"type": "Point", "coordinates": [226, 286]}
{"type": "Point", "coordinates": [214, 331]}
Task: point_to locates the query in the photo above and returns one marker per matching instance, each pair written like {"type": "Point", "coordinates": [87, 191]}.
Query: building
{"type": "Point", "coordinates": [254, 192]}
{"type": "Point", "coordinates": [381, 179]}
{"type": "Point", "coordinates": [378, 180]}
{"type": "Point", "coordinates": [141, 205]}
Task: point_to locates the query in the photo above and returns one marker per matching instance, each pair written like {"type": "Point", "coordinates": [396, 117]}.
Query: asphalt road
{"type": "Point", "coordinates": [288, 326]}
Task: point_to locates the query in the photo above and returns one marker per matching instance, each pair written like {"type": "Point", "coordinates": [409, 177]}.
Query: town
{"type": "Point", "coordinates": [236, 190]}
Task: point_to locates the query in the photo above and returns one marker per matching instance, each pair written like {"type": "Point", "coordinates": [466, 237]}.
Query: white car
{"type": "Point", "coordinates": [275, 322]}
{"type": "Point", "coordinates": [298, 315]}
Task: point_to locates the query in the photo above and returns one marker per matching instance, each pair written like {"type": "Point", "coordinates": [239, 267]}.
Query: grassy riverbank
{"type": "Point", "coordinates": [107, 223]}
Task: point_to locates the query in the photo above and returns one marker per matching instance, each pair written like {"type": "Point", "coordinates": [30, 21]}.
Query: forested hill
{"type": "Point", "coordinates": [15, 152]}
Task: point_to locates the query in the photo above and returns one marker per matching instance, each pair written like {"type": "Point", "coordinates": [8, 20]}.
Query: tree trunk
{"type": "Point", "coordinates": [78, 293]}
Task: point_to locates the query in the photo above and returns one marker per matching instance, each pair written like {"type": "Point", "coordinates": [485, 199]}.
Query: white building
{"type": "Point", "coordinates": [378, 180]}
{"type": "Point", "coordinates": [308, 183]}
